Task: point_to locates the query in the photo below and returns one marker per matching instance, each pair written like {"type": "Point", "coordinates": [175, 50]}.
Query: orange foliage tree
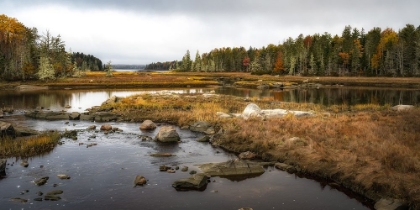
{"type": "Point", "coordinates": [279, 64]}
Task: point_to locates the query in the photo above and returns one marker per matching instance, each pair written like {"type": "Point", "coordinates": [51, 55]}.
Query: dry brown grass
{"type": "Point", "coordinates": [29, 146]}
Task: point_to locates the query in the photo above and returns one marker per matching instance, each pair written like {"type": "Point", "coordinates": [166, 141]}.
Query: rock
{"type": "Point", "coordinates": [63, 176]}
{"type": "Point", "coordinates": [233, 168]}
{"type": "Point", "coordinates": [147, 125]}
{"type": "Point", "coordinates": [55, 192]}
{"type": "Point", "coordinates": [285, 167]}
{"type": "Point", "coordinates": [145, 138]}
{"type": "Point", "coordinates": [110, 101]}
{"type": "Point", "coordinates": [92, 127]}
{"type": "Point", "coordinates": [48, 115]}
{"type": "Point", "coordinates": [6, 129]}
{"type": "Point", "coordinates": [223, 115]}
{"type": "Point", "coordinates": [106, 127]}
{"type": "Point", "coordinates": [42, 181]}
{"type": "Point", "coordinates": [139, 180]}
{"type": "Point", "coordinates": [195, 182]}
{"type": "Point", "coordinates": [161, 154]}
{"type": "Point", "coordinates": [52, 198]}
{"type": "Point", "coordinates": [251, 110]}
{"type": "Point", "coordinates": [390, 204]}
{"type": "Point", "coordinates": [38, 199]}
{"type": "Point", "coordinates": [203, 127]}
{"type": "Point", "coordinates": [24, 163]}
{"type": "Point", "coordinates": [87, 117]}
{"type": "Point", "coordinates": [164, 168]}
{"type": "Point", "coordinates": [184, 169]}
{"type": "Point", "coordinates": [74, 116]}
{"type": "Point", "coordinates": [204, 139]}
{"type": "Point", "coordinates": [105, 117]}
{"type": "Point", "coordinates": [167, 134]}
{"type": "Point", "coordinates": [247, 155]}
{"type": "Point", "coordinates": [3, 163]}
{"type": "Point", "coordinates": [273, 113]}
{"type": "Point", "coordinates": [402, 107]}
{"type": "Point", "coordinates": [171, 171]}
{"type": "Point", "coordinates": [70, 134]}
{"type": "Point", "coordinates": [19, 200]}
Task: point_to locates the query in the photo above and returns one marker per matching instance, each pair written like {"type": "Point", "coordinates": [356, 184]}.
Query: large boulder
{"type": "Point", "coordinates": [251, 110]}
{"type": "Point", "coordinates": [195, 182]}
{"type": "Point", "coordinates": [167, 134]}
{"type": "Point", "coordinates": [6, 129]}
{"type": "Point", "coordinates": [233, 168]}
{"type": "Point", "coordinates": [203, 127]}
{"type": "Point", "coordinates": [147, 125]}
{"type": "Point", "coordinates": [87, 117]}
{"type": "Point", "coordinates": [3, 166]}
{"type": "Point", "coordinates": [105, 117]}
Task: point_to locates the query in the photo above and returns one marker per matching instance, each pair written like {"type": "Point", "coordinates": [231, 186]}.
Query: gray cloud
{"type": "Point", "coordinates": [205, 24]}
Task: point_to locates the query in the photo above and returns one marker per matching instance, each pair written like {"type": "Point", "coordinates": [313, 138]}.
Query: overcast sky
{"type": "Point", "coordinates": [145, 31]}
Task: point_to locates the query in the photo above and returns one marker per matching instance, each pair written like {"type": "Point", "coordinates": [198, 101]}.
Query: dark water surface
{"type": "Point", "coordinates": [102, 176]}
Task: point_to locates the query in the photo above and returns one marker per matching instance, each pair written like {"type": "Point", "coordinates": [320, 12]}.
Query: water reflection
{"type": "Point", "coordinates": [79, 100]}
{"type": "Point", "coordinates": [331, 96]}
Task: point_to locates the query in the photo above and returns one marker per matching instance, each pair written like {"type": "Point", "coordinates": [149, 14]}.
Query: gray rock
{"type": "Point", "coordinates": [195, 182]}
{"type": "Point", "coordinates": [111, 101]}
{"type": "Point", "coordinates": [3, 163]}
{"type": "Point", "coordinates": [233, 168]}
{"type": "Point", "coordinates": [19, 200]}
{"type": "Point", "coordinates": [223, 115]}
{"type": "Point", "coordinates": [92, 127]}
{"type": "Point", "coordinates": [140, 180]}
{"type": "Point", "coordinates": [402, 107]}
{"type": "Point", "coordinates": [87, 117]}
{"type": "Point", "coordinates": [52, 198]}
{"type": "Point", "coordinates": [105, 117]}
{"type": "Point", "coordinates": [390, 204]}
{"type": "Point", "coordinates": [7, 129]}
{"type": "Point", "coordinates": [74, 116]}
{"type": "Point", "coordinates": [285, 167]}
{"type": "Point", "coordinates": [24, 163]}
{"type": "Point", "coordinates": [203, 127]}
{"type": "Point", "coordinates": [48, 115]}
{"type": "Point", "coordinates": [184, 169]}
{"type": "Point", "coordinates": [251, 110]}
{"type": "Point", "coordinates": [204, 139]}
{"type": "Point", "coordinates": [167, 134]}
{"type": "Point", "coordinates": [147, 125]}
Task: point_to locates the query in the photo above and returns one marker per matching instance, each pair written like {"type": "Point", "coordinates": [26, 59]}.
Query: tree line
{"type": "Point", "coordinates": [25, 54]}
{"type": "Point", "coordinates": [355, 53]}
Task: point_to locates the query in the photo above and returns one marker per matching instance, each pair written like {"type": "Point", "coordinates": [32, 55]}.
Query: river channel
{"type": "Point", "coordinates": [102, 175]}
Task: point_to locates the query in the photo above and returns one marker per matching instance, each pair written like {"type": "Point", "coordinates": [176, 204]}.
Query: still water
{"type": "Point", "coordinates": [102, 176]}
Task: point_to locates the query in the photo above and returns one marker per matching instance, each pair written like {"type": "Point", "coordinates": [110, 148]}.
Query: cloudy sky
{"type": "Point", "coordinates": [144, 31]}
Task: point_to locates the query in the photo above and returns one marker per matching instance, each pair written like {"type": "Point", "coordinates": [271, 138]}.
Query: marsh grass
{"type": "Point", "coordinates": [29, 146]}
{"type": "Point", "coordinates": [369, 149]}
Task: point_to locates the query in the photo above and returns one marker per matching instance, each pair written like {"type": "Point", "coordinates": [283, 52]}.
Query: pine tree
{"type": "Point", "coordinates": [46, 70]}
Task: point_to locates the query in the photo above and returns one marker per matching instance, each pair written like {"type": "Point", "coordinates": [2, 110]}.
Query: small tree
{"type": "Point", "coordinates": [108, 69]}
{"type": "Point", "coordinates": [46, 69]}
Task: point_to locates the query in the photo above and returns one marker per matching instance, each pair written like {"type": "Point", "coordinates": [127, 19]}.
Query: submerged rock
{"type": "Point", "coordinates": [6, 129]}
{"type": "Point", "coordinates": [233, 168]}
{"type": "Point", "coordinates": [3, 163]}
{"type": "Point", "coordinates": [195, 182]}
{"type": "Point", "coordinates": [42, 181]}
{"type": "Point", "coordinates": [63, 176]}
{"type": "Point", "coordinates": [147, 125]}
{"type": "Point", "coordinates": [167, 134]}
